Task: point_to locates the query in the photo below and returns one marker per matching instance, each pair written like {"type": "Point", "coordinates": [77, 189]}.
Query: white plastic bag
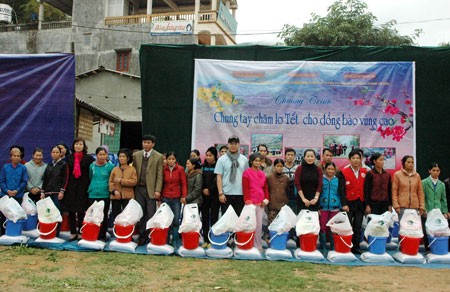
{"type": "Point", "coordinates": [191, 219]}
{"type": "Point", "coordinates": [436, 224]}
{"type": "Point", "coordinates": [94, 214]}
{"type": "Point", "coordinates": [130, 215]}
{"type": "Point", "coordinates": [378, 225]}
{"type": "Point", "coordinates": [163, 217]}
{"type": "Point", "coordinates": [3, 202]}
{"type": "Point", "coordinates": [28, 205]}
{"type": "Point", "coordinates": [13, 211]}
{"type": "Point", "coordinates": [284, 221]}
{"type": "Point", "coordinates": [247, 219]}
{"type": "Point", "coordinates": [308, 222]}
{"type": "Point", "coordinates": [340, 224]}
{"type": "Point", "coordinates": [226, 223]}
{"type": "Point", "coordinates": [410, 224]}
{"type": "Point", "coordinates": [47, 211]}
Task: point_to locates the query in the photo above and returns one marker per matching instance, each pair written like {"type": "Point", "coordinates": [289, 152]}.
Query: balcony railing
{"type": "Point", "coordinates": [35, 26]}
{"type": "Point", "coordinates": [204, 17]}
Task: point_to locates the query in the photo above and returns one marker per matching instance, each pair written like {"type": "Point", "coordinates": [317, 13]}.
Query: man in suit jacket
{"type": "Point", "coordinates": [149, 167]}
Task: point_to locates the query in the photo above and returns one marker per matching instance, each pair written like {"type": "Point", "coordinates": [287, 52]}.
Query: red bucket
{"type": "Point", "coordinates": [342, 243]}
{"type": "Point", "coordinates": [190, 239]}
{"type": "Point", "coordinates": [123, 234]}
{"type": "Point", "coordinates": [158, 236]}
{"type": "Point", "coordinates": [244, 240]}
{"type": "Point", "coordinates": [409, 245]}
{"type": "Point", "coordinates": [308, 242]}
{"type": "Point", "coordinates": [47, 230]}
{"type": "Point", "coordinates": [89, 231]}
{"type": "Point", "coordinates": [65, 226]}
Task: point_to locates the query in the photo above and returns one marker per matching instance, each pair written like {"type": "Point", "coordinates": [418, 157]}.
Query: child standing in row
{"type": "Point", "coordinates": [329, 201]}
{"type": "Point", "coordinates": [278, 185]}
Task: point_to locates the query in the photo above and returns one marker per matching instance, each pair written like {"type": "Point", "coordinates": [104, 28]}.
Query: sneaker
{"type": "Point", "coordinates": [205, 245]}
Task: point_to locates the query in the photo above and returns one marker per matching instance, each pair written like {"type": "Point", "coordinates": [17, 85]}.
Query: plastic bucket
{"type": "Point", "coordinates": [89, 231]}
{"type": "Point", "coordinates": [30, 223]}
{"type": "Point", "coordinates": [158, 236]}
{"type": "Point", "coordinates": [47, 230]}
{"type": "Point", "coordinates": [14, 228]}
{"type": "Point", "coordinates": [308, 242]}
{"type": "Point", "coordinates": [377, 245]}
{"type": "Point", "coordinates": [438, 245]}
{"type": "Point", "coordinates": [244, 240]}
{"type": "Point", "coordinates": [190, 239]}
{"type": "Point", "coordinates": [395, 229]}
{"type": "Point", "coordinates": [123, 234]}
{"type": "Point", "coordinates": [278, 241]}
{"type": "Point", "coordinates": [219, 241]}
{"type": "Point", "coordinates": [409, 245]}
{"type": "Point", "coordinates": [342, 243]}
{"type": "Point", "coordinates": [65, 226]}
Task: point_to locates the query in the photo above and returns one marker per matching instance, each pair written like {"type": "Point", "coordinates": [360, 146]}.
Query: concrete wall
{"type": "Point", "coordinates": [118, 94]}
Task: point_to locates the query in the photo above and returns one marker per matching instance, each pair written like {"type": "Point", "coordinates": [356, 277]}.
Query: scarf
{"type": "Point", "coordinates": [76, 164]}
{"type": "Point", "coordinates": [234, 157]}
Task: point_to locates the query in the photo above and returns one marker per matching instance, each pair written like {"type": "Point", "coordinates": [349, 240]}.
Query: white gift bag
{"type": "Point", "coordinates": [340, 224]}
{"type": "Point", "coordinates": [308, 222]}
{"type": "Point", "coordinates": [411, 224]}
{"type": "Point", "coordinates": [163, 217]}
{"type": "Point", "coordinates": [94, 214]}
{"type": "Point", "coordinates": [47, 211]}
{"type": "Point", "coordinates": [13, 211]}
{"type": "Point", "coordinates": [28, 205]}
{"type": "Point", "coordinates": [285, 220]}
{"type": "Point", "coordinates": [191, 219]}
{"type": "Point", "coordinates": [247, 220]}
{"type": "Point", "coordinates": [436, 224]}
{"type": "Point", "coordinates": [378, 225]}
{"type": "Point", "coordinates": [130, 215]}
{"type": "Point", "coordinates": [226, 223]}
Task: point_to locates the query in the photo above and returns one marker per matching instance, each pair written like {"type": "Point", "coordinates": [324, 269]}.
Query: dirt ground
{"type": "Point", "coordinates": [17, 268]}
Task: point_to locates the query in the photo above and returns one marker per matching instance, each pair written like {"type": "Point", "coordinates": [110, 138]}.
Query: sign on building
{"type": "Point", "coordinates": [172, 27]}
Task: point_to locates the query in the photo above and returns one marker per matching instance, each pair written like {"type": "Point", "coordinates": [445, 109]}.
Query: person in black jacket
{"type": "Point", "coordinates": [211, 204]}
{"type": "Point", "coordinates": [55, 178]}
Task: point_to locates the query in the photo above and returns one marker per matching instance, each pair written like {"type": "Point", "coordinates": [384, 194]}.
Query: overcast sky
{"type": "Point", "coordinates": [257, 17]}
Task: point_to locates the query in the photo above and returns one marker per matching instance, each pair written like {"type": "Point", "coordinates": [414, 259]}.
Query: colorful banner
{"type": "Point", "coordinates": [301, 105]}
{"type": "Point", "coordinates": [172, 27]}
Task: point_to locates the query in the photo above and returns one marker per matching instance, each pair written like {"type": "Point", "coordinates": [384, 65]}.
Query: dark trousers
{"type": "Point", "coordinates": [379, 208]}
{"type": "Point", "coordinates": [175, 206]}
{"type": "Point", "coordinates": [237, 201]}
{"type": "Point", "coordinates": [210, 213]}
{"type": "Point", "coordinates": [76, 221]}
{"type": "Point", "coordinates": [117, 207]}
{"type": "Point", "coordinates": [104, 226]}
{"type": "Point", "coordinates": [148, 207]}
{"type": "Point", "coordinates": [355, 215]}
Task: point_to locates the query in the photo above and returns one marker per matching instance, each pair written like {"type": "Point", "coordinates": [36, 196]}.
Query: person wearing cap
{"type": "Point", "coordinates": [149, 167]}
{"type": "Point", "coordinates": [229, 170]}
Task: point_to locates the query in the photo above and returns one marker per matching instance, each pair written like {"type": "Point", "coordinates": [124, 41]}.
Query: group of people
{"type": "Point", "coordinates": [74, 180]}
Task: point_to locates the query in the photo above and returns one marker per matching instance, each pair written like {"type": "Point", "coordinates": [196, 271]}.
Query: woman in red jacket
{"type": "Point", "coordinates": [174, 188]}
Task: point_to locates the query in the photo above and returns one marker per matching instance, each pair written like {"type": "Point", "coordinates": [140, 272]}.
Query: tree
{"type": "Point", "coordinates": [31, 10]}
{"type": "Point", "coordinates": [348, 23]}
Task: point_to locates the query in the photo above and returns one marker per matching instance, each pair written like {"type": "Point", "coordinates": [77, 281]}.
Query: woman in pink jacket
{"type": "Point", "coordinates": [256, 192]}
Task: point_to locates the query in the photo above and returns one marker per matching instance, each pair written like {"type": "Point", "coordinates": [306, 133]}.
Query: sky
{"type": "Point", "coordinates": [258, 19]}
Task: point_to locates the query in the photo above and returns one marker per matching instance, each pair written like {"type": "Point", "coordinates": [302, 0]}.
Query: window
{"type": "Point", "coordinates": [130, 8]}
{"type": "Point", "coordinates": [123, 61]}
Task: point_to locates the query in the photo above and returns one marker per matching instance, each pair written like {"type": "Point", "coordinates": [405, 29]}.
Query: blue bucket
{"type": "Point", "coordinates": [396, 229]}
{"type": "Point", "coordinates": [278, 241]}
{"type": "Point", "coordinates": [14, 229]}
{"type": "Point", "coordinates": [377, 245]}
{"type": "Point", "coordinates": [30, 223]}
{"type": "Point", "coordinates": [438, 245]}
{"type": "Point", "coordinates": [219, 241]}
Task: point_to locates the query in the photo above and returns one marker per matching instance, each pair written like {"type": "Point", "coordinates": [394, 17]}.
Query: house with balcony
{"type": "Point", "coordinates": [108, 34]}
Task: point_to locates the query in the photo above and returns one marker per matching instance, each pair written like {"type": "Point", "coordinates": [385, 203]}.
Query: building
{"type": "Point", "coordinates": [106, 36]}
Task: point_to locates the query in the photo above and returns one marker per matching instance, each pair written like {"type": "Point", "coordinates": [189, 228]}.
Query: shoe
{"type": "Point", "coordinates": [205, 245]}
{"type": "Point", "coordinates": [73, 237]}
{"type": "Point", "coordinates": [356, 251]}
{"type": "Point", "coordinates": [142, 241]}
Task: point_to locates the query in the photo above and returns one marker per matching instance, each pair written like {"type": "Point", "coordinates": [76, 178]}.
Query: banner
{"type": "Point", "coordinates": [304, 104]}
{"type": "Point", "coordinates": [37, 94]}
{"type": "Point", "coordinates": [172, 27]}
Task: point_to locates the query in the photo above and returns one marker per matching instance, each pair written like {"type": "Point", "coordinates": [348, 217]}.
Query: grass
{"type": "Point", "coordinates": [49, 270]}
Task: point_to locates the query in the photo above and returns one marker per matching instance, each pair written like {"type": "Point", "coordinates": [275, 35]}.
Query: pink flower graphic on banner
{"type": "Point", "coordinates": [395, 128]}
